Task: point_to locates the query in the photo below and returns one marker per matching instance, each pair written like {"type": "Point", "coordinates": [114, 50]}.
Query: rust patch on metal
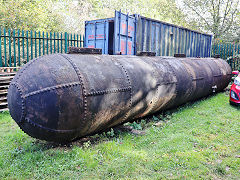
{"type": "Point", "coordinates": [73, 95]}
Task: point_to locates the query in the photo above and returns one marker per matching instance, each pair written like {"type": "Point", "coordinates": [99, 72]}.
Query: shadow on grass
{"type": "Point", "coordinates": [235, 106]}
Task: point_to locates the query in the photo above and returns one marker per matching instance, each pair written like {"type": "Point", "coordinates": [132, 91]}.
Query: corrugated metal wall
{"type": "Point", "coordinates": [124, 34]}
{"type": "Point", "coordinates": [167, 39]}
{"type": "Point", "coordinates": [96, 34]}
{"type": "Point", "coordinates": [133, 33]}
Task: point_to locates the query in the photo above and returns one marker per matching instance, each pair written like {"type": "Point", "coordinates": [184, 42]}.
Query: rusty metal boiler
{"type": "Point", "coordinates": [62, 97]}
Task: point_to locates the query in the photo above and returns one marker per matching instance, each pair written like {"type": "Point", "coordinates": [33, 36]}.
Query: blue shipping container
{"type": "Point", "coordinates": [128, 34]}
{"type": "Point", "coordinates": [112, 35]}
{"type": "Point", "coordinates": [97, 34]}
{"type": "Point", "coordinates": [167, 39]}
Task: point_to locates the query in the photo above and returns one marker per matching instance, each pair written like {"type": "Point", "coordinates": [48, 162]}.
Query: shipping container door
{"type": "Point", "coordinates": [96, 34]}
{"type": "Point", "coordinates": [124, 34]}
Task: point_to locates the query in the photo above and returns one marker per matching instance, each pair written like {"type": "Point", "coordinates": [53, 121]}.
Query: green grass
{"type": "Point", "coordinates": [199, 140]}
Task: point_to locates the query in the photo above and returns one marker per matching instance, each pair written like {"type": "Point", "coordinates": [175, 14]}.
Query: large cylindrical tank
{"type": "Point", "coordinates": [61, 97]}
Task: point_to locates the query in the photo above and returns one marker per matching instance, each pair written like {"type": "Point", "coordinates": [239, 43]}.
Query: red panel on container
{"type": "Point", "coordinates": [129, 48]}
{"type": "Point", "coordinates": [123, 49]}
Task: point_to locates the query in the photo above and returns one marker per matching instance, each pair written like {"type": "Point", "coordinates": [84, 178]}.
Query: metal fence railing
{"type": "Point", "coordinates": [17, 47]}
{"type": "Point", "coordinates": [228, 51]}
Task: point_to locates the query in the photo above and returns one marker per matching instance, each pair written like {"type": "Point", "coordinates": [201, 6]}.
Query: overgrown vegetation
{"type": "Point", "coordinates": [199, 140]}
{"type": "Point", "coordinates": [234, 61]}
{"type": "Point", "coordinates": [221, 18]}
{"type": "Point", "coordinates": [69, 15]}
{"type": "Point", "coordinates": [39, 15]}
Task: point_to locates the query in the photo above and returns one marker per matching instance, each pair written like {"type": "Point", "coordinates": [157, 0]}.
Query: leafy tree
{"type": "Point", "coordinates": [70, 15]}
{"type": "Point", "coordinates": [165, 10]}
{"type": "Point", "coordinates": [216, 16]}
{"type": "Point", "coordinates": [30, 15]}
{"type": "Point", "coordinates": [75, 15]}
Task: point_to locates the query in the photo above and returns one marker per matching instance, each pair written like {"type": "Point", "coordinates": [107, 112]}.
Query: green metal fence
{"type": "Point", "coordinates": [17, 47]}
{"type": "Point", "coordinates": [229, 52]}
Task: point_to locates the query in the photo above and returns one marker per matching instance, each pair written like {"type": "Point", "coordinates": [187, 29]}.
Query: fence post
{"type": "Point", "coordinates": [14, 48]}
{"type": "Point", "coordinates": [1, 64]}
{"type": "Point", "coordinates": [66, 42]}
{"type": "Point", "coordinates": [5, 46]}
{"type": "Point", "coordinates": [83, 41]}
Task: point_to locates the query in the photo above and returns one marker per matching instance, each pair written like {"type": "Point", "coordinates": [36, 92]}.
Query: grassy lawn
{"type": "Point", "coordinates": [199, 140]}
